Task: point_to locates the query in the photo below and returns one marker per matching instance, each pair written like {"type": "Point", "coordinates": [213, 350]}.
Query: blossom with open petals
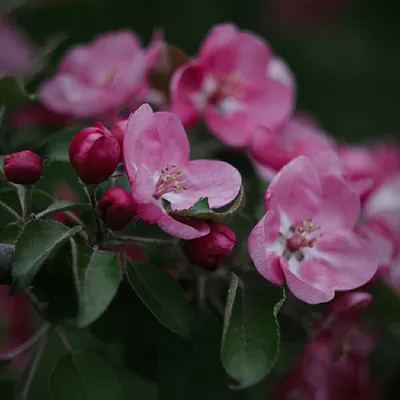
{"type": "Point", "coordinates": [96, 78]}
{"type": "Point", "coordinates": [307, 237]}
{"type": "Point", "coordinates": [231, 84]}
{"type": "Point", "coordinates": [164, 180]}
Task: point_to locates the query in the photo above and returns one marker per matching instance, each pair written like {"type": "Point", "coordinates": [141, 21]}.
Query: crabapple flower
{"type": "Point", "coordinates": [371, 165]}
{"type": "Point", "coordinates": [270, 150]}
{"type": "Point", "coordinates": [17, 55]}
{"type": "Point", "coordinates": [307, 237]}
{"type": "Point", "coordinates": [97, 78]}
{"type": "Point", "coordinates": [334, 364]}
{"type": "Point", "coordinates": [164, 180]}
{"type": "Point", "coordinates": [231, 85]}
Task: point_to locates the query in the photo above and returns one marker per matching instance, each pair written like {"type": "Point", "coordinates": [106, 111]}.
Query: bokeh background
{"type": "Point", "coordinates": [344, 53]}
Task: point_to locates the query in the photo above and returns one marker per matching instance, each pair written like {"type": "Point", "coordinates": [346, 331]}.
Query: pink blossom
{"type": "Point", "coordinates": [306, 236]}
{"type": "Point", "coordinates": [370, 165]}
{"type": "Point", "coordinates": [231, 84]}
{"type": "Point", "coordinates": [96, 78]}
{"type": "Point", "coordinates": [270, 150]}
{"type": "Point", "coordinates": [164, 180]}
{"type": "Point", "coordinates": [17, 55]}
{"type": "Point", "coordinates": [334, 364]}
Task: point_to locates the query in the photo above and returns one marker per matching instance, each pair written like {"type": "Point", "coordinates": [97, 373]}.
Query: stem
{"type": "Point", "coordinates": [98, 231]}
{"type": "Point", "coordinates": [65, 340]}
{"type": "Point", "coordinates": [10, 210]}
{"type": "Point", "coordinates": [118, 240]}
{"type": "Point", "coordinates": [33, 367]}
{"type": "Point", "coordinates": [26, 198]}
{"type": "Point", "coordinates": [201, 290]}
{"type": "Point", "coordinates": [25, 346]}
{"type": "Point", "coordinates": [35, 303]}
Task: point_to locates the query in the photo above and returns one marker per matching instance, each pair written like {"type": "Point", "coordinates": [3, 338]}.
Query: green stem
{"type": "Point", "coordinates": [25, 196]}
{"type": "Point", "coordinates": [120, 240]}
{"type": "Point", "coordinates": [10, 210]}
{"type": "Point", "coordinates": [98, 230]}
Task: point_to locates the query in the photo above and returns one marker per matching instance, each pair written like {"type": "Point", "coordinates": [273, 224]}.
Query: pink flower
{"type": "Point", "coordinates": [156, 160]}
{"type": "Point", "coordinates": [17, 55]}
{"type": "Point", "coordinates": [334, 364]}
{"type": "Point", "coordinates": [306, 236]}
{"type": "Point", "coordinates": [230, 83]}
{"type": "Point", "coordinates": [270, 150]}
{"type": "Point", "coordinates": [370, 166]}
{"type": "Point", "coordinates": [96, 78]}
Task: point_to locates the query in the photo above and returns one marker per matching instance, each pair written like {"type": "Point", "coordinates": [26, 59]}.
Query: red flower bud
{"type": "Point", "coordinates": [118, 130]}
{"type": "Point", "coordinates": [116, 208]}
{"type": "Point", "coordinates": [210, 251]}
{"type": "Point", "coordinates": [24, 167]}
{"type": "Point", "coordinates": [95, 154]}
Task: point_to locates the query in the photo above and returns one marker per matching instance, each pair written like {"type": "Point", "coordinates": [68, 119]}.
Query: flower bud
{"type": "Point", "coordinates": [210, 251]}
{"type": "Point", "coordinates": [95, 154]}
{"type": "Point", "coordinates": [24, 167]}
{"type": "Point", "coordinates": [118, 130]}
{"type": "Point", "coordinates": [116, 208]}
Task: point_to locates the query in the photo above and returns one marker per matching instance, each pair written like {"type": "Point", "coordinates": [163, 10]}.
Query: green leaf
{"type": "Point", "coordinates": [37, 242]}
{"type": "Point", "coordinates": [250, 342]}
{"type": "Point", "coordinates": [84, 376]}
{"type": "Point", "coordinates": [163, 296]}
{"type": "Point", "coordinates": [201, 209]}
{"type": "Point", "coordinates": [63, 206]}
{"type": "Point", "coordinates": [13, 93]}
{"type": "Point", "coordinates": [97, 277]}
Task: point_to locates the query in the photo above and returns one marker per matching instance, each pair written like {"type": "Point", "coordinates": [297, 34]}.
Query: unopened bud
{"type": "Point", "coordinates": [210, 251]}
{"type": "Point", "coordinates": [116, 208]}
{"type": "Point", "coordinates": [24, 167]}
{"type": "Point", "coordinates": [95, 154]}
{"type": "Point", "coordinates": [118, 130]}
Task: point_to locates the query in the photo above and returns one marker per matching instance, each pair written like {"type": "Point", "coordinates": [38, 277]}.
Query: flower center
{"type": "Point", "coordinates": [231, 86]}
{"type": "Point", "coordinates": [303, 236]}
{"type": "Point", "coordinates": [169, 181]}
{"type": "Point", "coordinates": [110, 76]}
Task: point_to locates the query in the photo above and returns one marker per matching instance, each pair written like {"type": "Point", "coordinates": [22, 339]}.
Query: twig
{"type": "Point", "coordinates": [33, 367]}
{"type": "Point", "coordinates": [10, 210]}
{"type": "Point", "coordinates": [65, 340]}
{"type": "Point", "coordinates": [118, 240]}
{"type": "Point", "coordinates": [25, 346]}
{"type": "Point", "coordinates": [201, 290]}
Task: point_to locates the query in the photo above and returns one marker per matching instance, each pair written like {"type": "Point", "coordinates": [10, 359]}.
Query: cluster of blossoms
{"type": "Point", "coordinates": [332, 216]}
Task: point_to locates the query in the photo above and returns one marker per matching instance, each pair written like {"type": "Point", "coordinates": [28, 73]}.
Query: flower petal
{"type": "Point", "coordinates": [181, 230]}
{"type": "Point", "coordinates": [138, 122]}
{"type": "Point", "coordinates": [216, 180]}
{"type": "Point", "coordinates": [348, 256]}
{"type": "Point", "coordinates": [309, 293]}
{"type": "Point", "coordinates": [295, 191]}
{"type": "Point", "coordinates": [64, 94]}
{"type": "Point", "coordinates": [265, 249]}
{"type": "Point", "coordinates": [339, 207]}
{"type": "Point", "coordinates": [186, 87]}
{"type": "Point", "coordinates": [174, 141]}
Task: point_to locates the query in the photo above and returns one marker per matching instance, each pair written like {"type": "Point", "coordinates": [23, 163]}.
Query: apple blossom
{"type": "Point", "coordinates": [164, 180]}
{"type": "Point", "coordinates": [231, 85]}
{"type": "Point", "coordinates": [96, 78]}
{"type": "Point", "coordinates": [270, 150]}
{"type": "Point", "coordinates": [307, 237]}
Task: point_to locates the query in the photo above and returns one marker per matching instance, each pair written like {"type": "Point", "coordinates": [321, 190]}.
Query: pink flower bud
{"type": "Point", "coordinates": [118, 130]}
{"type": "Point", "coordinates": [24, 167]}
{"type": "Point", "coordinates": [95, 154]}
{"type": "Point", "coordinates": [210, 251]}
{"type": "Point", "coordinates": [116, 208]}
